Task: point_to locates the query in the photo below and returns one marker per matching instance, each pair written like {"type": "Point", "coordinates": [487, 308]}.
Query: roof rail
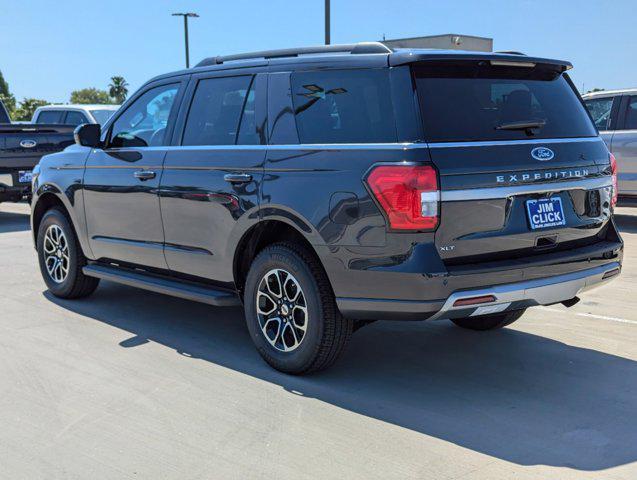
{"type": "Point", "coordinates": [510, 52]}
{"type": "Point", "coordinates": [353, 48]}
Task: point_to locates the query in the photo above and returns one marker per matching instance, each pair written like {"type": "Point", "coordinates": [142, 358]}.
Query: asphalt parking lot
{"type": "Point", "coordinates": [131, 384]}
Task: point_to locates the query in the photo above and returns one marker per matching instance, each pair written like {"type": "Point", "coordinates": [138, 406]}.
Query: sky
{"type": "Point", "coordinates": [49, 48]}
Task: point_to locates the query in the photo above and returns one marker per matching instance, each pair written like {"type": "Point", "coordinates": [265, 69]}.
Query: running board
{"type": "Point", "coordinates": [167, 286]}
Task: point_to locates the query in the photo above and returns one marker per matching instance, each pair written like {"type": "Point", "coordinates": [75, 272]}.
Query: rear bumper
{"type": "Point", "coordinates": [511, 296]}
{"type": "Point", "coordinates": [13, 194]}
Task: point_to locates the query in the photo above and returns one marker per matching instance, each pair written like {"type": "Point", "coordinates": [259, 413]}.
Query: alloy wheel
{"type": "Point", "coordinates": [282, 310]}
{"type": "Point", "coordinates": [56, 254]}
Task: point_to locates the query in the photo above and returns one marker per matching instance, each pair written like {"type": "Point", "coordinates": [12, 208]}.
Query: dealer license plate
{"type": "Point", "coordinates": [545, 213]}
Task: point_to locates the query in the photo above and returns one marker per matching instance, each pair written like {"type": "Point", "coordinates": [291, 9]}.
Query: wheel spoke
{"type": "Point", "coordinates": [267, 327]}
{"type": "Point", "coordinates": [299, 317]}
{"type": "Point", "coordinates": [263, 299]}
{"type": "Point", "coordinates": [272, 280]}
{"type": "Point", "coordinates": [291, 288]}
{"type": "Point", "coordinates": [289, 328]}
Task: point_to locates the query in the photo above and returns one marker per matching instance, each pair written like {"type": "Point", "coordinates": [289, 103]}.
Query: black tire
{"type": "Point", "coordinates": [489, 322]}
{"type": "Point", "coordinates": [75, 284]}
{"type": "Point", "coordinates": [327, 332]}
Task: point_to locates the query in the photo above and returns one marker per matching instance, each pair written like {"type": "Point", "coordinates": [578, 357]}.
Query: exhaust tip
{"type": "Point", "coordinates": [611, 273]}
{"type": "Point", "coordinates": [571, 302]}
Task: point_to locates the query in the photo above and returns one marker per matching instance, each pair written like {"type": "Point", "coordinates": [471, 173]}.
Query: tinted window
{"type": "Point", "coordinates": [600, 109]}
{"type": "Point", "coordinates": [346, 106]}
{"type": "Point", "coordinates": [50, 116]}
{"type": "Point", "coordinates": [631, 114]}
{"type": "Point", "coordinates": [248, 134]}
{"type": "Point", "coordinates": [144, 122]}
{"type": "Point", "coordinates": [472, 101]}
{"type": "Point", "coordinates": [75, 118]}
{"type": "Point", "coordinates": [101, 116]}
{"type": "Point", "coordinates": [215, 111]}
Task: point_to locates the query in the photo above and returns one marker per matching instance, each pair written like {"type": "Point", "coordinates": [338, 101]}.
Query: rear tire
{"type": "Point", "coordinates": [61, 257]}
{"type": "Point", "coordinates": [489, 322]}
{"type": "Point", "coordinates": [291, 312]}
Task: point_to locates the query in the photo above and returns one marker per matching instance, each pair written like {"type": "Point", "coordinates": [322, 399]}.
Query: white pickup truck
{"type": "Point", "coordinates": [73, 114]}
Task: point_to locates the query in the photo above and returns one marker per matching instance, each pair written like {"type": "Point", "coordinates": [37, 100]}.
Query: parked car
{"type": "Point", "coordinates": [73, 114]}
{"type": "Point", "coordinates": [615, 115]}
{"type": "Point", "coordinates": [21, 146]}
{"type": "Point", "coordinates": [324, 188]}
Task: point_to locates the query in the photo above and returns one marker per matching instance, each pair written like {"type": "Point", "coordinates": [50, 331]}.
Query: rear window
{"type": "Point", "coordinates": [50, 116]}
{"type": "Point", "coordinates": [478, 101]}
{"type": "Point", "coordinates": [343, 106]}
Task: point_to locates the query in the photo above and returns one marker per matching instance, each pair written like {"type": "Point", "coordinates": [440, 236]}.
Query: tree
{"type": "Point", "coordinates": [595, 90]}
{"type": "Point", "coordinates": [4, 86]}
{"type": "Point", "coordinates": [27, 107]}
{"type": "Point", "coordinates": [90, 95]}
{"type": "Point", "coordinates": [118, 89]}
{"type": "Point", "coordinates": [6, 97]}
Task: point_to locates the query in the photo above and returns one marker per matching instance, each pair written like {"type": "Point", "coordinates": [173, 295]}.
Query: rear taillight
{"type": "Point", "coordinates": [613, 168]}
{"type": "Point", "coordinates": [408, 194]}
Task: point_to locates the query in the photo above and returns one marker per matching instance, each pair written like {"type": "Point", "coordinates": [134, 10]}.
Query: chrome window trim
{"type": "Point", "coordinates": [364, 146]}
{"type": "Point", "coordinates": [510, 191]}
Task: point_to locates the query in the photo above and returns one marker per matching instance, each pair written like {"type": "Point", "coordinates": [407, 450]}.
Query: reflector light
{"type": "Point", "coordinates": [613, 167]}
{"type": "Point", "coordinates": [464, 302]}
{"type": "Point", "coordinates": [408, 194]}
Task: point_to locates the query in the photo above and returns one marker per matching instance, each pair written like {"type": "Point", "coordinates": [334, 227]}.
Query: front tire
{"type": "Point", "coordinates": [489, 322]}
{"type": "Point", "coordinates": [291, 312]}
{"type": "Point", "coordinates": [61, 258]}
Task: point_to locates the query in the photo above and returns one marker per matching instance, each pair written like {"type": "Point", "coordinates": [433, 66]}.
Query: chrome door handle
{"type": "Point", "coordinates": [144, 175]}
{"type": "Point", "coordinates": [237, 177]}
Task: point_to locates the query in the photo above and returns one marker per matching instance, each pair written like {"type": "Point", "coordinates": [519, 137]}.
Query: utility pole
{"type": "Point", "coordinates": [186, 15]}
{"type": "Point", "coordinates": [327, 22]}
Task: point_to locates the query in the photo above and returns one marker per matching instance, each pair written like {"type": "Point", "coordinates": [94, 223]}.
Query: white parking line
{"type": "Point", "coordinates": [592, 315]}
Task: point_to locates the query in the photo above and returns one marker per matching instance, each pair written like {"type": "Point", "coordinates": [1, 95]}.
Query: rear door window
{"type": "Point", "coordinates": [471, 101]}
{"type": "Point", "coordinates": [600, 109]}
{"type": "Point", "coordinates": [215, 111]}
{"type": "Point", "coordinates": [630, 122]}
{"type": "Point", "coordinates": [50, 116]}
{"type": "Point", "coordinates": [75, 118]}
{"type": "Point", "coordinates": [343, 106]}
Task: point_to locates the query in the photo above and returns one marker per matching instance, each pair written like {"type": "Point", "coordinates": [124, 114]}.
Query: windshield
{"type": "Point", "coordinates": [101, 116]}
{"type": "Point", "coordinates": [473, 101]}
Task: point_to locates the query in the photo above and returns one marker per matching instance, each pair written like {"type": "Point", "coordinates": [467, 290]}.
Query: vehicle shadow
{"type": "Point", "coordinates": [14, 222]}
{"type": "Point", "coordinates": [515, 396]}
{"type": "Point", "coordinates": [626, 223]}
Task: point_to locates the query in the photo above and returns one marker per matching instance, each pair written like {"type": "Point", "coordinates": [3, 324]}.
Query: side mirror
{"type": "Point", "coordinates": [88, 135]}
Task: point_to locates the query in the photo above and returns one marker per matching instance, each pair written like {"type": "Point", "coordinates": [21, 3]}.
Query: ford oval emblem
{"type": "Point", "coordinates": [28, 143]}
{"type": "Point", "coordinates": [542, 154]}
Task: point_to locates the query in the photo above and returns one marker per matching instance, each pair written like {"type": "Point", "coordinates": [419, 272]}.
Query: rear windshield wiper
{"type": "Point", "coordinates": [527, 126]}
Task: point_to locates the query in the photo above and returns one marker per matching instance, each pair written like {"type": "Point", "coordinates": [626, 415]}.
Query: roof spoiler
{"type": "Point", "coordinates": [513, 59]}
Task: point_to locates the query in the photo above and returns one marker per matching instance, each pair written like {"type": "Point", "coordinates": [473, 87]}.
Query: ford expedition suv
{"type": "Point", "coordinates": [324, 188]}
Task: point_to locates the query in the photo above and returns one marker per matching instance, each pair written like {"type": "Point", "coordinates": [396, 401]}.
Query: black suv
{"type": "Point", "coordinates": [324, 188]}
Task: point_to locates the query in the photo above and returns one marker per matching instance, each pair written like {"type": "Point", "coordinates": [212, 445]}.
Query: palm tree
{"type": "Point", "coordinates": [117, 89]}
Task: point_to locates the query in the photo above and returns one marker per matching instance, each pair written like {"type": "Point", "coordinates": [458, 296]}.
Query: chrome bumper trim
{"type": "Point", "coordinates": [6, 180]}
{"type": "Point", "coordinates": [543, 291]}
{"type": "Point", "coordinates": [510, 191]}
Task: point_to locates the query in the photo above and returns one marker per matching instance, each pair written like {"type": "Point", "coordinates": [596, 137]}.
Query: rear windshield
{"type": "Point", "coordinates": [477, 101]}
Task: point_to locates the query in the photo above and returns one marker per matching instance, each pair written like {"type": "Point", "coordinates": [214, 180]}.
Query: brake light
{"type": "Point", "coordinates": [408, 194]}
{"type": "Point", "coordinates": [613, 168]}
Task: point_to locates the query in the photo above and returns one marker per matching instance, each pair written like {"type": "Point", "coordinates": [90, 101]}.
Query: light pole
{"type": "Point", "coordinates": [186, 15]}
{"type": "Point", "coordinates": [327, 22]}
